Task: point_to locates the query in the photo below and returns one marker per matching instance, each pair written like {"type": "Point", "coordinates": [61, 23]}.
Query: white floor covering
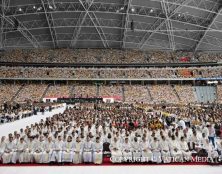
{"type": "Point", "coordinates": [7, 128]}
{"type": "Point", "coordinates": [113, 170]}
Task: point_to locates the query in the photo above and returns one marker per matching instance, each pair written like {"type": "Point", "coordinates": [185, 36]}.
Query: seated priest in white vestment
{"type": "Point", "coordinates": [136, 149]}
{"type": "Point", "coordinates": [2, 146]}
{"type": "Point", "coordinates": [78, 148]}
{"type": "Point", "coordinates": [48, 153]}
{"type": "Point", "coordinates": [9, 153]}
{"type": "Point", "coordinates": [68, 147]}
{"type": "Point", "coordinates": [165, 150]}
{"type": "Point", "coordinates": [127, 151]}
{"type": "Point", "coordinates": [211, 151]}
{"type": "Point", "coordinates": [97, 151]}
{"type": "Point", "coordinates": [20, 151]}
{"type": "Point", "coordinates": [219, 149]}
{"type": "Point", "coordinates": [28, 154]}
{"type": "Point", "coordinates": [87, 150]}
{"type": "Point", "coordinates": [175, 150]}
{"type": "Point", "coordinates": [57, 155]}
{"type": "Point", "coordinates": [39, 149]}
{"type": "Point", "coordinates": [155, 147]}
{"type": "Point", "coordinates": [115, 148]}
{"type": "Point", "coordinates": [146, 150]}
{"type": "Point", "coordinates": [185, 149]}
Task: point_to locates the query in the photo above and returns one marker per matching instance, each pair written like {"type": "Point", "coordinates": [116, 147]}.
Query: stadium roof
{"type": "Point", "coordinates": [192, 25]}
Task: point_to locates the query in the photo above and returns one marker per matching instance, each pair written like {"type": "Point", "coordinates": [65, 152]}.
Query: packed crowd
{"type": "Point", "coordinates": [109, 73]}
{"type": "Point", "coordinates": [186, 93]}
{"type": "Point", "coordinates": [111, 90]}
{"type": "Point", "coordinates": [163, 93]}
{"type": "Point", "coordinates": [106, 56]}
{"type": "Point", "coordinates": [219, 93]}
{"type": "Point", "coordinates": [128, 93]}
{"type": "Point", "coordinates": [58, 91]}
{"type": "Point", "coordinates": [85, 90]}
{"type": "Point", "coordinates": [136, 93]}
{"type": "Point", "coordinates": [13, 111]}
{"type": "Point", "coordinates": [31, 92]}
{"type": "Point", "coordinates": [8, 91]}
{"type": "Point", "coordinates": [127, 135]}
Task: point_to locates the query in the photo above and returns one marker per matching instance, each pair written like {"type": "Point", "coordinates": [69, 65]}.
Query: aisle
{"type": "Point", "coordinates": [7, 128]}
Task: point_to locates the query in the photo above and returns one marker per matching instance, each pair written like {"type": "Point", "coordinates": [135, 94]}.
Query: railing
{"type": "Point", "coordinates": [102, 65]}
{"type": "Point", "coordinates": [17, 93]}
{"type": "Point", "coordinates": [44, 93]}
{"type": "Point", "coordinates": [100, 79]}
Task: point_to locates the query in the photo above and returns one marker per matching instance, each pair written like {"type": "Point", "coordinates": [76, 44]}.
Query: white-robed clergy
{"type": "Point", "coordinates": [20, 151]}
{"type": "Point", "coordinates": [146, 150]}
{"type": "Point", "coordinates": [155, 147]}
{"type": "Point", "coordinates": [97, 151]}
{"type": "Point", "coordinates": [219, 149]}
{"type": "Point", "coordinates": [28, 154]}
{"type": "Point", "coordinates": [136, 149]}
{"type": "Point", "coordinates": [185, 150]}
{"type": "Point", "coordinates": [39, 149]}
{"type": "Point", "coordinates": [127, 151]}
{"type": "Point", "coordinates": [87, 150]}
{"type": "Point", "coordinates": [211, 150]}
{"type": "Point", "coordinates": [57, 155]}
{"type": "Point", "coordinates": [175, 150]}
{"type": "Point", "coordinates": [48, 153]}
{"type": "Point", "coordinates": [9, 155]}
{"type": "Point", "coordinates": [2, 146]}
{"type": "Point", "coordinates": [165, 150]}
{"type": "Point", "coordinates": [78, 148]}
{"type": "Point", "coordinates": [67, 154]}
{"type": "Point", "coordinates": [115, 148]}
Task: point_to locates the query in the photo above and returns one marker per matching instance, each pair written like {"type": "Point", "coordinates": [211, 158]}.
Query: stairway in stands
{"type": "Point", "coordinates": [123, 93]}
{"type": "Point", "coordinates": [17, 93]}
{"type": "Point", "coordinates": [98, 88]}
{"type": "Point", "coordinates": [205, 94]}
{"type": "Point", "coordinates": [44, 93]}
{"type": "Point", "coordinates": [175, 91]}
{"type": "Point", "coordinates": [72, 91]}
{"type": "Point", "coordinates": [148, 91]}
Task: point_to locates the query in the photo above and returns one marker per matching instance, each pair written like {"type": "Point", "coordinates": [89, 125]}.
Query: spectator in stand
{"type": "Point", "coordinates": [111, 56]}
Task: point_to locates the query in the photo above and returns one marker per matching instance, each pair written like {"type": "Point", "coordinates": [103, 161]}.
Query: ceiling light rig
{"type": "Point", "coordinates": [51, 7]}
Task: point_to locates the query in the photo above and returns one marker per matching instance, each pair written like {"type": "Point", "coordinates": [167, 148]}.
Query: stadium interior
{"type": "Point", "coordinates": [110, 82]}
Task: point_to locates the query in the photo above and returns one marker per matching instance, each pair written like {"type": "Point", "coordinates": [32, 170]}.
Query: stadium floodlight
{"type": "Point", "coordinates": [51, 7]}
{"type": "Point", "coordinates": [39, 9]}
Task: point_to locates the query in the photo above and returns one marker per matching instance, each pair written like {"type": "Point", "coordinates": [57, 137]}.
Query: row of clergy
{"type": "Point", "coordinates": [46, 151]}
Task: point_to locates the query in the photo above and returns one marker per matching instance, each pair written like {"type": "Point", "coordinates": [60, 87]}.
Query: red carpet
{"type": "Point", "coordinates": [106, 162]}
